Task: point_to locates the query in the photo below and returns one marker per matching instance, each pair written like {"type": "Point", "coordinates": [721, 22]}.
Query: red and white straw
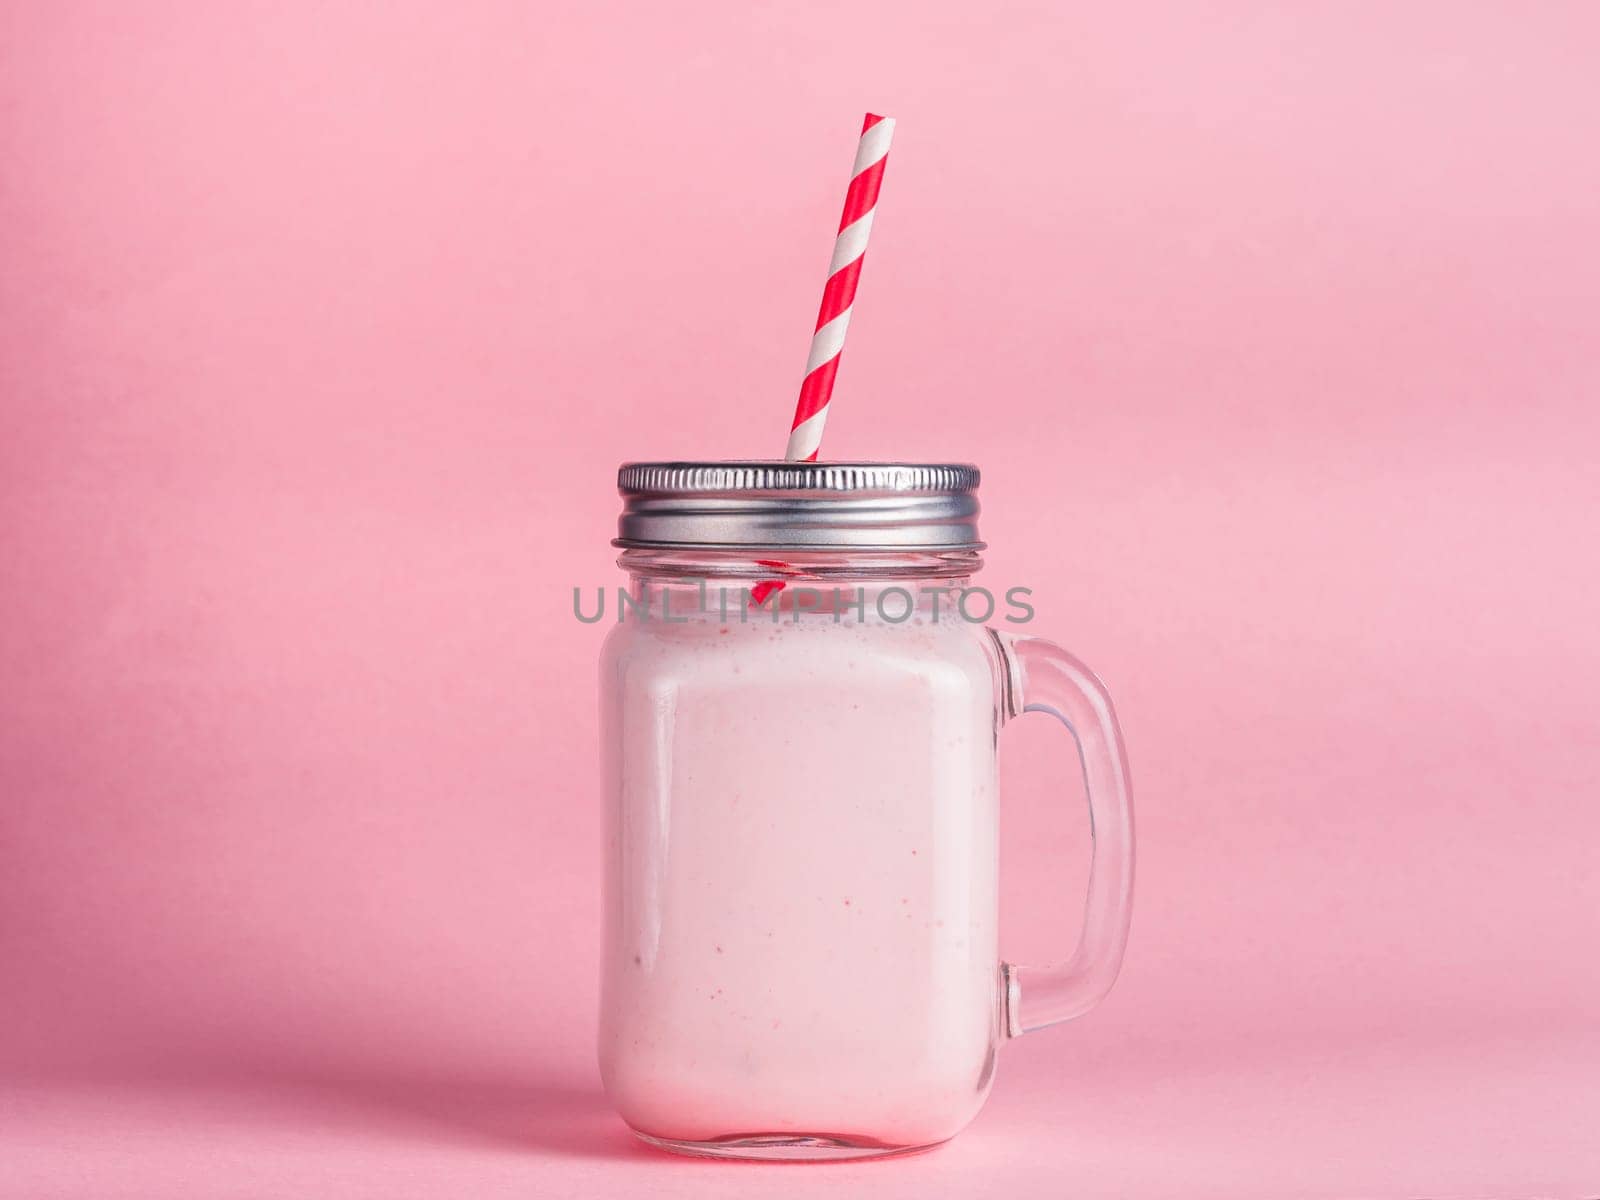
{"type": "Point", "coordinates": [827, 343]}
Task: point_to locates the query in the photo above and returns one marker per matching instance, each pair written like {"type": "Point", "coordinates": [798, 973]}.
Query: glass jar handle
{"type": "Point", "coordinates": [1039, 676]}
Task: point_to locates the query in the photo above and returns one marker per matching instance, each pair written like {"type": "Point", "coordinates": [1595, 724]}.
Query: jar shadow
{"type": "Point", "coordinates": [553, 1117]}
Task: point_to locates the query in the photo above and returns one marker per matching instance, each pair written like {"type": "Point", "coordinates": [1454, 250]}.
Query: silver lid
{"type": "Point", "coordinates": [747, 505]}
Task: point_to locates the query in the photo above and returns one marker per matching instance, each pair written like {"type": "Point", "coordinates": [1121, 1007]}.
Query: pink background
{"type": "Point", "coordinates": [323, 328]}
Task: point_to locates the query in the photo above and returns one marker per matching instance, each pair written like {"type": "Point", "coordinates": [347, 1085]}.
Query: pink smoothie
{"type": "Point", "coordinates": [802, 842]}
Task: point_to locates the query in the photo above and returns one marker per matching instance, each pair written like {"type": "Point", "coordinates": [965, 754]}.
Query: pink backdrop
{"type": "Point", "coordinates": [322, 331]}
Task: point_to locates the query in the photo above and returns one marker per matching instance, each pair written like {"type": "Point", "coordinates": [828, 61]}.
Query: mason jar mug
{"type": "Point", "coordinates": [800, 701]}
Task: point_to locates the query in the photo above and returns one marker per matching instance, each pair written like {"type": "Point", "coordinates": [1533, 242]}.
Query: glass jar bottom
{"type": "Point", "coordinates": [786, 1147]}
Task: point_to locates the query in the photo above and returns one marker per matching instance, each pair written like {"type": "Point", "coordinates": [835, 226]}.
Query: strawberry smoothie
{"type": "Point", "coordinates": [801, 844]}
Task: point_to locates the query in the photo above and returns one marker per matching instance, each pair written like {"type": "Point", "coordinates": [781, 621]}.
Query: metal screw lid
{"type": "Point", "coordinates": [756, 504]}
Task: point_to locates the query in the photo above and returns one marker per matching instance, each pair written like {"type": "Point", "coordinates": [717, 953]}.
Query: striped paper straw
{"type": "Point", "coordinates": [844, 273]}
